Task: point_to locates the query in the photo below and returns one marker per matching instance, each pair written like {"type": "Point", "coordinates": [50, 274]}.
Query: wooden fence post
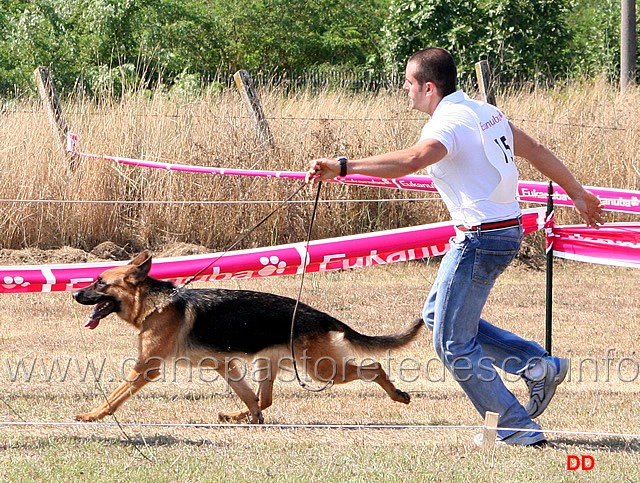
{"type": "Point", "coordinates": [245, 86]}
{"type": "Point", "coordinates": [484, 81]}
{"type": "Point", "coordinates": [49, 97]}
{"type": "Point", "coordinates": [489, 435]}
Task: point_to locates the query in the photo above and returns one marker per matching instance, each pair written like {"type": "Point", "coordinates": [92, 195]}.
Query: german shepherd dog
{"type": "Point", "coordinates": [217, 327]}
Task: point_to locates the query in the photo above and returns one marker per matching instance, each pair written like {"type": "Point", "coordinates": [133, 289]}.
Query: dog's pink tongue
{"type": "Point", "coordinates": [92, 323]}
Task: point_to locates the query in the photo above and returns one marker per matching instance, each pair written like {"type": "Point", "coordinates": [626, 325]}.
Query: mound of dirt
{"type": "Point", "coordinates": [37, 256]}
{"type": "Point", "coordinates": [110, 251]}
{"type": "Point", "coordinates": [530, 257]}
{"type": "Point", "coordinates": [180, 249]}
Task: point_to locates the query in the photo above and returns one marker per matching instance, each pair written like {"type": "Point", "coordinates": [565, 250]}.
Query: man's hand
{"type": "Point", "coordinates": [322, 169]}
{"type": "Point", "coordinates": [590, 208]}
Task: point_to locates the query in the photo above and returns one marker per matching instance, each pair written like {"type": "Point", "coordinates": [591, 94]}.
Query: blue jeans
{"type": "Point", "coordinates": [469, 346]}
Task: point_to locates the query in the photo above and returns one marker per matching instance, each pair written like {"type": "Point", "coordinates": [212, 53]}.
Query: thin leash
{"type": "Point", "coordinates": [305, 263]}
{"type": "Point", "coordinates": [177, 289]}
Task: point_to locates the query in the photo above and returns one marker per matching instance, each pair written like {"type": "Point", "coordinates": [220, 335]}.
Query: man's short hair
{"type": "Point", "coordinates": [436, 65]}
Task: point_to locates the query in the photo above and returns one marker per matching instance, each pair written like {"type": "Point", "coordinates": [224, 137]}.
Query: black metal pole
{"type": "Point", "coordinates": [549, 247]}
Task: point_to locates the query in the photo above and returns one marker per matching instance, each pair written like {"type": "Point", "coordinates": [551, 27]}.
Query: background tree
{"type": "Point", "coordinates": [295, 35]}
{"type": "Point", "coordinates": [521, 39]}
{"type": "Point", "coordinates": [527, 39]}
{"type": "Point", "coordinates": [110, 45]}
{"type": "Point", "coordinates": [595, 45]}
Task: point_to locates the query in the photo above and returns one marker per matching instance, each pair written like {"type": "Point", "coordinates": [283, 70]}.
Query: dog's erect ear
{"type": "Point", "coordinates": [141, 258]}
{"type": "Point", "coordinates": [143, 262]}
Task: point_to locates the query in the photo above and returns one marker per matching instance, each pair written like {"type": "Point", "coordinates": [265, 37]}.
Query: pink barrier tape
{"type": "Point", "coordinates": [548, 230]}
{"type": "Point", "coordinates": [340, 253]}
{"type": "Point", "coordinates": [626, 201]}
{"type": "Point", "coordinates": [616, 244]}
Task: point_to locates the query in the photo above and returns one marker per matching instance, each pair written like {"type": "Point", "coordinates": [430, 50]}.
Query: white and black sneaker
{"type": "Point", "coordinates": [534, 439]}
{"type": "Point", "coordinates": [542, 388]}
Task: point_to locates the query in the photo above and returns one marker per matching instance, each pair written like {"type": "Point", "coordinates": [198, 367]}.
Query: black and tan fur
{"type": "Point", "coordinates": [218, 325]}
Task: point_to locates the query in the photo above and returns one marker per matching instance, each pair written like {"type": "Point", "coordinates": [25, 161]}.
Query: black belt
{"type": "Point", "coordinates": [492, 225]}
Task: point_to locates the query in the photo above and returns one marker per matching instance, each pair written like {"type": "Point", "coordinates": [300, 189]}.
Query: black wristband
{"type": "Point", "coordinates": [343, 165]}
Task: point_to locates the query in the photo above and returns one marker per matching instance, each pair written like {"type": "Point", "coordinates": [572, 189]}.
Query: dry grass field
{"type": "Point", "coordinates": [595, 319]}
{"type": "Point", "coordinates": [594, 130]}
{"type": "Point", "coordinates": [45, 351]}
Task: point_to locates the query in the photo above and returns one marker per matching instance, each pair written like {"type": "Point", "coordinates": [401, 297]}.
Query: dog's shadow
{"type": "Point", "coordinates": [155, 441]}
{"type": "Point", "coordinates": [164, 440]}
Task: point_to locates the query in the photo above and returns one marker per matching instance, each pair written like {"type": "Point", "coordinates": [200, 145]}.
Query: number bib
{"type": "Point", "coordinates": [497, 140]}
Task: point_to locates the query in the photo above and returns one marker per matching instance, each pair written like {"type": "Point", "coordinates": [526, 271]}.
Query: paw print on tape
{"type": "Point", "coordinates": [11, 282]}
{"type": "Point", "coordinates": [272, 265]}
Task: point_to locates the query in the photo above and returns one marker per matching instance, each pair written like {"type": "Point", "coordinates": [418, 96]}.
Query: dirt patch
{"type": "Point", "coordinates": [37, 256]}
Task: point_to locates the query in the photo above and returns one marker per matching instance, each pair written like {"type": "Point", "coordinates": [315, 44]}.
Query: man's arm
{"type": "Point", "coordinates": [587, 204]}
{"type": "Point", "coordinates": [390, 165]}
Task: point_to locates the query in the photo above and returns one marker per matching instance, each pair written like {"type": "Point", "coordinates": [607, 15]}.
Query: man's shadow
{"type": "Point", "coordinates": [608, 444]}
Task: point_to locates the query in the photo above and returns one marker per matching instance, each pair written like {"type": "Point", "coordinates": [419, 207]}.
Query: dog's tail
{"type": "Point", "coordinates": [375, 343]}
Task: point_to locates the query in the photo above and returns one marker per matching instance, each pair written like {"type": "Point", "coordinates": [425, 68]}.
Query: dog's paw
{"type": "Point", "coordinates": [233, 416]}
{"type": "Point", "coordinates": [237, 416]}
{"type": "Point", "coordinates": [88, 417]}
{"type": "Point", "coordinates": [402, 397]}
{"type": "Point", "coordinates": [224, 417]}
{"type": "Point", "coordinates": [257, 418]}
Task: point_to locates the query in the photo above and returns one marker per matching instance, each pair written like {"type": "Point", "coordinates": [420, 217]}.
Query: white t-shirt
{"type": "Point", "coordinates": [477, 178]}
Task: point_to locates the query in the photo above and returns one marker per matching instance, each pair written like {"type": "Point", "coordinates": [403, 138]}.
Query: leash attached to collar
{"type": "Point", "coordinates": [177, 289]}
{"type": "Point", "coordinates": [303, 384]}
